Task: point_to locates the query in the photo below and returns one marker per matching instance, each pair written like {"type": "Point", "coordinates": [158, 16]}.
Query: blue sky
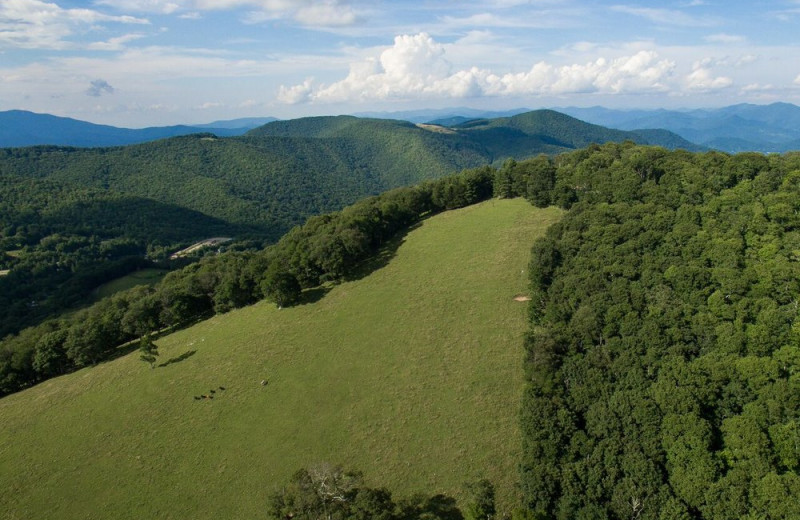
{"type": "Point", "coordinates": [154, 62]}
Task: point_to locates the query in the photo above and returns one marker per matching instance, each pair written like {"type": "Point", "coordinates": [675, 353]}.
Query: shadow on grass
{"type": "Point", "coordinates": [381, 257]}
{"type": "Point", "coordinates": [178, 359]}
{"type": "Point", "coordinates": [313, 295]}
{"type": "Point", "coordinates": [130, 346]}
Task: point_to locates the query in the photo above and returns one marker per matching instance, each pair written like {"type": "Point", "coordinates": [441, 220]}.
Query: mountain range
{"type": "Point", "coordinates": [736, 128]}
{"type": "Point", "coordinates": [21, 128]}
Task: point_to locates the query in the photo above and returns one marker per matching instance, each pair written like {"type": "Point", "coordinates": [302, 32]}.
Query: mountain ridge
{"type": "Point", "coordinates": [21, 128]}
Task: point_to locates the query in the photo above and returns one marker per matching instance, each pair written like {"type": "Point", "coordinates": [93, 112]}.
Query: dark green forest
{"type": "Point", "coordinates": [663, 359]}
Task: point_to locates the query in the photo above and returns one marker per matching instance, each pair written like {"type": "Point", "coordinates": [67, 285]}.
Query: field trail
{"type": "Point", "coordinates": [412, 374]}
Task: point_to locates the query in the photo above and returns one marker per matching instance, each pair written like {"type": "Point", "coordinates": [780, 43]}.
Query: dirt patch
{"type": "Point", "coordinates": [436, 128]}
{"type": "Point", "coordinates": [209, 242]}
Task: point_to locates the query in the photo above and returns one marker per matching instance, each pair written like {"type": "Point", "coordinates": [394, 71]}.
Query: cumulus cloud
{"type": "Point", "coordinates": [34, 24]}
{"type": "Point", "coordinates": [297, 94]}
{"type": "Point", "coordinates": [416, 66]}
{"type": "Point", "coordinates": [702, 78]}
{"type": "Point", "coordinates": [99, 87]}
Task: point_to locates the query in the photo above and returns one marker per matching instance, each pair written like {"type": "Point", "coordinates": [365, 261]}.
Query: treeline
{"type": "Point", "coordinates": [60, 242]}
{"type": "Point", "coordinates": [325, 249]}
{"type": "Point", "coordinates": [325, 491]}
{"type": "Point", "coordinates": [663, 359]}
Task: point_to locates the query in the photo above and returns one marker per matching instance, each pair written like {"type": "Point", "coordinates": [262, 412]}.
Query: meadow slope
{"type": "Point", "coordinates": [411, 374]}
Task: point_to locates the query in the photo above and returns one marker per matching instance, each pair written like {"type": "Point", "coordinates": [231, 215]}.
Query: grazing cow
{"type": "Point", "coordinates": [197, 398]}
{"type": "Point", "coordinates": [222, 388]}
{"type": "Point", "coordinates": [213, 391]}
{"type": "Point", "coordinates": [263, 382]}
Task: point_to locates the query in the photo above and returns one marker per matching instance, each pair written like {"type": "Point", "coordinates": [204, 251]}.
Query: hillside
{"type": "Point", "coordinates": [552, 132]}
{"type": "Point", "coordinates": [410, 374]}
{"type": "Point", "coordinates": [115, 205]}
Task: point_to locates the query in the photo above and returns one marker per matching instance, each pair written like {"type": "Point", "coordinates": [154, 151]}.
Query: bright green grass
{"type": "Point", "coordinates": [140, 277]}
{"type": "Point", "coordinates": [411, 374]}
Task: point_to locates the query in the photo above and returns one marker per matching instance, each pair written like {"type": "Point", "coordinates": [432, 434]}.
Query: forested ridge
{"type": "Point", "coordinates": [663, 358]}
{"type": "Point", "coordinates": [72, 218]}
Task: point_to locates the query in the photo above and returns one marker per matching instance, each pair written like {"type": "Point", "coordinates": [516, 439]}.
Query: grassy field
{"type": "Point", "coordinates": [411, 374]}
{"type": "Point", "coordinates": [140, 277]}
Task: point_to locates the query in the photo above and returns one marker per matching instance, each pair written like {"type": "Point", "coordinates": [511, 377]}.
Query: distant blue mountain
{"type": "Point", "coordinates": [21, 128]}
{"type": "Point", "coordinates": [736, 128]}
{"type": "Point", "coordinates": [244, 123]}
{"type": "Point", "coordinates": [443, 116]}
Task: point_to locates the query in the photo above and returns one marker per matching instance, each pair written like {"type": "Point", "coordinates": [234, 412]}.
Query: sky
{"type": "Point", "coordinates": [136, 63]}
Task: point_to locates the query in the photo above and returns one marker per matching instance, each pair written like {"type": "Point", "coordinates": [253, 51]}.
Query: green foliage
{"type": "Point", "coordinates": [480, 501]}
{"type": "Point", "coordinates": [661, 353]}
{"type": "Point", "coordinates": [280, 286]}
{"type": "Point", "coordinates": [148, 350]}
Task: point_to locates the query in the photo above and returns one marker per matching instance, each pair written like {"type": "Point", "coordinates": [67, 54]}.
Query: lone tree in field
{"type": "Point", "coordinates": [149, 350]}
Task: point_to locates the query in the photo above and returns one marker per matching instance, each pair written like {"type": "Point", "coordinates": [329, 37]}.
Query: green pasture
{"type": "Point", "coordinates": [140, 277]}
{"type": "Point", "coordinates": [411, 374]}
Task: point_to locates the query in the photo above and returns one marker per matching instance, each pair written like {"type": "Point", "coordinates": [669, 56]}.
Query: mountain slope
{"type": "Point", "coordinates": [551, 132]}
{"type": "Point", "coordinates": [21, 128]}
{"type": "Point", "coordinates": [410, 374]}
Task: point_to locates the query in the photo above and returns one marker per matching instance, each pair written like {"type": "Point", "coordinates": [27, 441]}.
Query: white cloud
{"type": "Point", "coordinates": [702, 79]}
{"type": "Point", "coordinates": [797, 80]}
{"type": "Point", "coordinates": [416, 66]}
{"type": "Point", "coordinates": [297, 94]}
{"type": "Point", "coordinates": [310, 13]}
{"type": "Point", "coordinates": [757, 87]}
{"type": "Point", "coordinates": [34, 24]}
{"type": "Point", "coordinates": [664, 16]}
{"type": "Point", "coordinates": [725, 38]}
{"type": "Point", "coordinates": [114, 44]}
{"type": "Point", "coordinates": [326, 14]}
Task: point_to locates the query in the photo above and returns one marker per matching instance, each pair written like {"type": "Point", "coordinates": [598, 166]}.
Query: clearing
{"type": "Point", "coordinates": [411, 374]}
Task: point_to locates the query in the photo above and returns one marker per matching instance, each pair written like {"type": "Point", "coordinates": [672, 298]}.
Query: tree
{"type": "Point", "coordinates": [321, 492]}
{"type": "Point", "coordinates": [280, 286]}
{"type": "Point", "coordinates": [481, 500]}
{"type": "Point", "coordinates": [149, 350]}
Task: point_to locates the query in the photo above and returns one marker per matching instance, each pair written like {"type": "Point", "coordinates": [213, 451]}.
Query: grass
{"type": "Point", "coordinates": [149, 276]}
{"type": "Point", "coordinates": [411, 374]}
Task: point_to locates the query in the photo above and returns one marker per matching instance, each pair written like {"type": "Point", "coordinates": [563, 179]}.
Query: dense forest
{"type": "Point", "coordinates": [663, 359]}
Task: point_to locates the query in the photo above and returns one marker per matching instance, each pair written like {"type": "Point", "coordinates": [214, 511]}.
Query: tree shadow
{"type": "Point", "coordinates": [313, 295]}
{"type": "Point", "coordinates": [381, 257]}
{"type": "Point", "coordinates": [440, 507]}
{"type": "Point", "coordinates": [178, 359]}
